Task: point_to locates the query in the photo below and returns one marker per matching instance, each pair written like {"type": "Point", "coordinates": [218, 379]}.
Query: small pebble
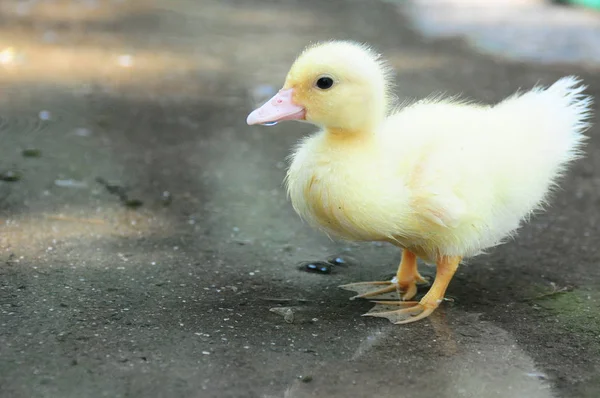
{"type": "Point", "coordinates": [31, 153]}
{"type": "Point", "coordinates": [320, 267]}
{"type": "Point", "coordinates": [133, 203]}
{"type": "Point", "coordinates": [338, 260]}
{"type": "Point", "coordinates": [45, 115]}
{"type": "Point", "coordinates": [70, 184]}
{"type": "Point", "coordinates": [286, 312]}
{"type": "Point", "coordinates": [10, 176]}
{"type": "Point", "coordinates": [166, 198]}
{"type": "Point", "coordinates": [83, 132]}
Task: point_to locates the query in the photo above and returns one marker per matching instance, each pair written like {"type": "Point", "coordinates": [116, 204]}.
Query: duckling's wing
{"type": "Point", "coordinates": [442, 208]}
{"type": "Point", "coordinates": [433, 196]}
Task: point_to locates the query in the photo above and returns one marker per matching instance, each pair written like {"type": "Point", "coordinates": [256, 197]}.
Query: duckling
{"type": "Point", "coordinates": [442, 179]}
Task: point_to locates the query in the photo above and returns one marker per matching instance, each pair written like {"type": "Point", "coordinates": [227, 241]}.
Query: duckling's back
{"type": "Point", "coordinates": [474, 172]}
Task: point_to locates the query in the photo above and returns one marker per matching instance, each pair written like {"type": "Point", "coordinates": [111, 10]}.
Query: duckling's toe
{"type": "Point", "coordinates": [412, 312]}
{"type": "Point", "coordinates": [391, 290]}
{"type": "Point", "coordinates": [375, 290]}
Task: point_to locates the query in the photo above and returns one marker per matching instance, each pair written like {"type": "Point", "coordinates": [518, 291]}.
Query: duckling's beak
{"type": "Point", "coordinates": [280, 107]}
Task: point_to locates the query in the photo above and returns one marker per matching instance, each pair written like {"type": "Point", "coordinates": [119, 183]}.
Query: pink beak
{"type": "Point", "coordinates": [279, 108]}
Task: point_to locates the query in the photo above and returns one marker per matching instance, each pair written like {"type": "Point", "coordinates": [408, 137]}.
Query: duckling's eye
{"type": "Point", "coordinates": [324, 83]}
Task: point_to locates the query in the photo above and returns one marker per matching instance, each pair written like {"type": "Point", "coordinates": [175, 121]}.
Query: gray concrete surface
{"type": "Point", "coordinates": [173, 298]}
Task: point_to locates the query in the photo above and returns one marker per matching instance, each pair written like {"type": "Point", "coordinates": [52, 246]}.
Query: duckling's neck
{"type": "Point", "coordinates": [356, 125]}
{"type": "Point", "coordinates": [349, 136]}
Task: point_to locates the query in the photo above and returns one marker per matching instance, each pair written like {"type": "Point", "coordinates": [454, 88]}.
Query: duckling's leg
{"type": "Point", "coordinates": [403, 286]}
{"type": "Point", "coordinates": [413, 311]}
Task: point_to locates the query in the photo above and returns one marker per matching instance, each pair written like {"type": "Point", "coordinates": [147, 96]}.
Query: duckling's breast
{"type": "Point", "coordinates": [327, 206]}
{"type": "Point", "coordinates": [322, 203]}
{"type": "Point", "coordinates": [338, 191]}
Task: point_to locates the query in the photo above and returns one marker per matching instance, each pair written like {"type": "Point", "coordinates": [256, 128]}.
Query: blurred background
{"type": "Point", "coordinates": [147, 247]}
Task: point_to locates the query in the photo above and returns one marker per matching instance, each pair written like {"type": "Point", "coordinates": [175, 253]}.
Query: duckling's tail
{"type": "Point", "coordinates": [551, 120]}
{"type": "Point", "coordinates": [541, 134]}
{"type": "Point", "coordinates": [572, 112]}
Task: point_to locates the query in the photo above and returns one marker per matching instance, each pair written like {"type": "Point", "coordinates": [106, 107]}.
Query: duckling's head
{"type": "Point", "coordinates": [339, 85]}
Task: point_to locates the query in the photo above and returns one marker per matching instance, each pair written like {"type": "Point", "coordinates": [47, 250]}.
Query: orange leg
{"type": "Point", "coordinates": [403, 286]}
{"type": "Point", "coordinates": [413, 311]}
{"type": "Point", "coordinates": [408, 275]}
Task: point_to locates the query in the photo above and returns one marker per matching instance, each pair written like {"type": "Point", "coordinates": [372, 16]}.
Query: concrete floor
{"type": "Point", "coordinates": [174, 298]}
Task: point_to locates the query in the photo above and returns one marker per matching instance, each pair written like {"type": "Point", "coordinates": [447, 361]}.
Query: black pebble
{"type": "Point", "coordinates": [31, 153]}
{"type": "Point", "coordinates": [319, 267]}
{"type": "Point", "coordinates": [10, 176]}
{"type": "Point", "coordinates": [337, 260]}
{"type": "Point", "coordinates": [306, 379]}
{"type": "Point", "coordinates": [133, 203]}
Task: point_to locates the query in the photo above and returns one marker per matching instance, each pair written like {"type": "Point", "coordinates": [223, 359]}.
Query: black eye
{"type": "Point", "coordinates": [324, 83]}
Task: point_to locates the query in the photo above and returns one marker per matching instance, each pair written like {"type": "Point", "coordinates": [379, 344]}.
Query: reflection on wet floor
{"type": "Point", "coordinates": [467, 365]}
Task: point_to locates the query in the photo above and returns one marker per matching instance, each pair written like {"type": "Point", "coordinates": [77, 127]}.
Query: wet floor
{"type": "Point", "coordinates": [148, 249]}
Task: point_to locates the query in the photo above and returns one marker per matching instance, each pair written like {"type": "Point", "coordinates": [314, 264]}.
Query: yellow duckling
{"type": "Point", "coordinates": [441, 179]}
